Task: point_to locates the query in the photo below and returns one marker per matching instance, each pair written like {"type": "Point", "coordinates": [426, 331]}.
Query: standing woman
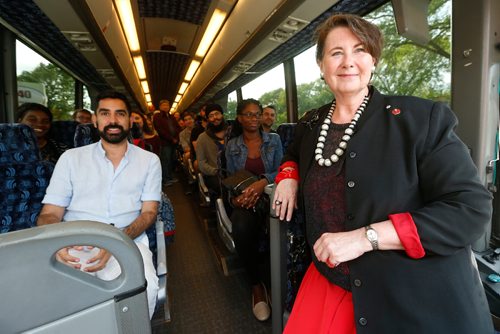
{"type": "Point", "coordinates": [392, 203]}
{"type": "Point", "coordinates": [260, 153]}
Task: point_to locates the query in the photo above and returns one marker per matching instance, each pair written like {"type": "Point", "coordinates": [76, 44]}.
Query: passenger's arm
{"type": "Point", "coordinates": [147, 217]}
{"type": "Point", "coordinates": [201, 156]}
{"type": "Point", "coordinates": [50, 214]}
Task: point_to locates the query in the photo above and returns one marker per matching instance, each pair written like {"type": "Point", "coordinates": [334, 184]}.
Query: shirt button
{"type": "Point", "coordinates": [357, 283]}
{"type": "Point", "coordinates": [362, 321]}
{"type": "Point", "coordinates": [350, 216]}
{"type": "Point", "coordinates": [352, 155]}
{"type": "Point", "coordinates": [351, 184]}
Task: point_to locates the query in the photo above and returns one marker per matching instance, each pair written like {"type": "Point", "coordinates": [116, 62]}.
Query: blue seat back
{"type": "Point", "coordinates": [85, 134]}
{"type": "Point", "coordinates": [63, 132]}
{"type": "Point", "coordinates": [298, 254]}
{"type": "Point", "coordinates": [286, 131]}
{"type": "Point", "coordinates": [23, 177]}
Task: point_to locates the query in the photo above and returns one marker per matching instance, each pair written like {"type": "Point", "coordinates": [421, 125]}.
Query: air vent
{"type": "Point", "coordinates": [287, 29]}
{"type": "Point", "coordinates": [81, 40]}
{"type": "Point", "coordinates": [242, 67]}
{"type": "Point", "coordinates": [107, 73]}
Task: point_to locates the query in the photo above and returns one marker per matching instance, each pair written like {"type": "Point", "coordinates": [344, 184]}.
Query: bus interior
{"type": "Point", "coordinates": [192, 52]}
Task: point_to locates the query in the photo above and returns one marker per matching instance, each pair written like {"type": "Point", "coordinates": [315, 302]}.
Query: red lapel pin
{"type": "Point", "coordinates": [396, 111]}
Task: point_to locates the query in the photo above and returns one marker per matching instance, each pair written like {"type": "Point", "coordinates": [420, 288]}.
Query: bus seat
{"type": "Point", "coordinates": [85, 134]}
{"type": "Point", "coordinates": [63, 132]}
{"type": "Point", "coordinates": [60, 299]}
{"type": "Point", "coordinates": [23, 177]}
{"type": "Point", "coordinates": [224, 225]}
{"type": "Point", "coordinates": [159, 234]}
{"type": "Point", "coordinates": [286, 132]}
{"type": "Point", "coordinates": [205, 199]}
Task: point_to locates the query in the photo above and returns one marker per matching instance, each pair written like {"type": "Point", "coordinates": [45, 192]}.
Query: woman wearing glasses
{"type": "Point", "coordinates": [260, 153]}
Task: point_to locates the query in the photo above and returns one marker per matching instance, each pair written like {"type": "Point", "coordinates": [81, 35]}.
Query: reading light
{"type": "Point", "coordinates": [211, 32]}
{"type": "Point", "coordinates": [145, 86]}
{"type": "Point", "coordinates": [178, 98]}
{"type": "Point", "coordinates": [183, 88]}
{"type": "Point", "coordinates": [128, 23]}
{"type": "Point", "coordinates": [192, 70]}
{"type": "Point", "coordinates": [139, 66]}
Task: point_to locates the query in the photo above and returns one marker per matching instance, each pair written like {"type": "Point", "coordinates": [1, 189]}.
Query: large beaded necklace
{"type": "Point", "coordinates": [339, 151]}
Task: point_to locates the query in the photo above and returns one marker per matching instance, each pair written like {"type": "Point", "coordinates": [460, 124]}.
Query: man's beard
{"type": "Point", "coordinates": [114, 138]}
{"type": "Point", "coordinates": [217, 128]}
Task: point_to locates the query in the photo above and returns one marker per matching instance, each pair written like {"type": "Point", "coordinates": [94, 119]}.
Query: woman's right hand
{"type": "Point", "coordinates": [285, 198]}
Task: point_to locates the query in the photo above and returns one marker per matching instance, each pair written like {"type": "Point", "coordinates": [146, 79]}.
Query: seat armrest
{"type": "Point", "coordinates": [161, 267]}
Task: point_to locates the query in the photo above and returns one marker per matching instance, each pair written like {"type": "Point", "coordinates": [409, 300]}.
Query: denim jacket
{"type": "Point", "coordinates": [271, 153]}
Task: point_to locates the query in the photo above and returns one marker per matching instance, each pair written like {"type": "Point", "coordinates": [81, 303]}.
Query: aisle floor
{"type": "Point", "coordinates": [202, 299]}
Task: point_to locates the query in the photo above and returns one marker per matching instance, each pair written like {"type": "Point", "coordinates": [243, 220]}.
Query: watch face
{"type": "Point", "coordinates": [371, 235]}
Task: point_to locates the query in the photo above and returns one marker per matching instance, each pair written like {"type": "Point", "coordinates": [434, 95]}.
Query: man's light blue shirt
{"type": "Point", "coordinates": [87, 185]}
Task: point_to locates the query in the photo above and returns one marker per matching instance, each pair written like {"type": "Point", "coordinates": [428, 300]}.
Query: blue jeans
{"type": "Point", "coordinates": [167, 156]}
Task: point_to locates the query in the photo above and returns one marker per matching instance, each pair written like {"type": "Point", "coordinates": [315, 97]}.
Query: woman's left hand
{"type": "Point", "coordinates": [335, 248]}
{"type": "Point", "coordinates": [252, 193]}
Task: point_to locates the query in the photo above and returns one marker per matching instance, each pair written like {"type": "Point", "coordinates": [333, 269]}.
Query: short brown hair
{"type": "Point", "coordinates": [368, 33]}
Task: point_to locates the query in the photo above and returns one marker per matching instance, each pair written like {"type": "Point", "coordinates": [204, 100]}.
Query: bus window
{"type": "Point", "coordinates": [429, 79]}
{"type": "Point", "coordinates": [269, 89]}
{"type": "Point", "coordinates": [311, 90]}
{"type": "Point", "coordinates": [232, 101]}
{"type": "Point", "coordinates": [43, 82]}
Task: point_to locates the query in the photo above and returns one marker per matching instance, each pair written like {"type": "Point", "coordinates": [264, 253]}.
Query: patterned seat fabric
{"type": "Point", "coordinates": [298, 254]}
{"type": "Point", "coordinates": [286, 132]}
{"type": "Point", "coordinates": [23, 177]}
{"type": "Point", "coordinates": [85, 134]}
{"type": "Point", "coordinates": [63, 132]}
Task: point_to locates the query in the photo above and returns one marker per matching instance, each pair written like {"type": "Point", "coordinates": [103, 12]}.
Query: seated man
{"type": "Point", "coordinates": [185, 135]}
{"type": "Point", "coordinates": [112, 182]}
{"type": "Point", "coordinates": [209, 144]}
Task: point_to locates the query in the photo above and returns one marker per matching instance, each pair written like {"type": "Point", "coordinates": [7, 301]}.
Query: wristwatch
{"type": "Point", "coordinates": [372, 236]}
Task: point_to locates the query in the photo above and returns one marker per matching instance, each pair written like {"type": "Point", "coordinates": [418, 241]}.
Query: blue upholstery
{"type": "Point", "coordinates": [63, 132]}
{"type": "Point", "coordinates": [298, 254]}
{"type": "Point", "coordinates": [23, 177]}
{"type": "Point", "coordinates": [85, 134]}
{"type": "Point", "coordinates": [286, 132]}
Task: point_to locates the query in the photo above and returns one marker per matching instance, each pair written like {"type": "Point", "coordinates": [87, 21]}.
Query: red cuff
{"type": "Point", "coordinates": [408, 234]}
{"type": "Point", "coordinates": [287, 174]}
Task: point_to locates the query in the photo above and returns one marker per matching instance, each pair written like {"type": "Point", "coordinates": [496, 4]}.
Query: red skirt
{"type": "Point", "coordinates": [321, 307]}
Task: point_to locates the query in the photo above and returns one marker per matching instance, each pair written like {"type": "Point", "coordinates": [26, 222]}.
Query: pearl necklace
{"type": "Point", "coordinates": [339, 151]}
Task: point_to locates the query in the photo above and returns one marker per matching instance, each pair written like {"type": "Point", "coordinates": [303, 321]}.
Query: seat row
{"type": "Point", "coordinates": [24, 178]}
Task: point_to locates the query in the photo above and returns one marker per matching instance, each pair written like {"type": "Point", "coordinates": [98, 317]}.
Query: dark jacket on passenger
{"type": "Point", "coordinates": [406, 157]}
{"type": "Point", "coordinates": [167, 127]}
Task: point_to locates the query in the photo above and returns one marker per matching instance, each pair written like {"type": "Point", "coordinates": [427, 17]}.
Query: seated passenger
{"type": "Point", "coordinates": [137, 120]}
{"type": "Point", "coordinates": [82, 116]}
{"type": "Point", "coordinates": [39, 118]}
{"type": "Point", "coordinates": [112, 182]}
{"type": "Point", "coordinates": [260, 153]}
{"type": "Point", "coordinates": [268, 118]}
{"type": "Point", "coordinates": [185, 136]}
{"type": "Point", "coordinates": [199, 127]}
{"type": "Point", "coordinates": [209, 144]}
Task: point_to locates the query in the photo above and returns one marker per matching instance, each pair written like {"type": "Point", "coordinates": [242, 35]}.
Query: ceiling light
{"type": "Point", "coordinates": [211, 32]}
{"type": "Point", "coordinates": [148, 97]}
{"type": "Point", "coordinates": [174, 106]}
{"type": "Point", "coordinates": [178, 98]}
{"type": "Point", "coordinates": [145, 86]}
{"type": "Point", "coordinates": [183, 87]}
{"type": "Point", "coordinates": [139, 66]}
{"type": "Point", "coordinates": [128, 23]}
{"type": "Point", "coordinates": [192, 70]}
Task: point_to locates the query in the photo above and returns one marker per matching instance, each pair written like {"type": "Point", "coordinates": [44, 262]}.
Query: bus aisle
{"type": "Point", "coordinates": [202, 298]}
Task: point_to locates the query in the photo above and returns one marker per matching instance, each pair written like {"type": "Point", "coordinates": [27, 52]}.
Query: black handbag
{"type": "Point", "coordinates": [238, 181]}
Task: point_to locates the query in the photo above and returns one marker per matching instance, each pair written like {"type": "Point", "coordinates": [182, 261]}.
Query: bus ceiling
{"type": "Point", "coordinates": [88, 38]}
